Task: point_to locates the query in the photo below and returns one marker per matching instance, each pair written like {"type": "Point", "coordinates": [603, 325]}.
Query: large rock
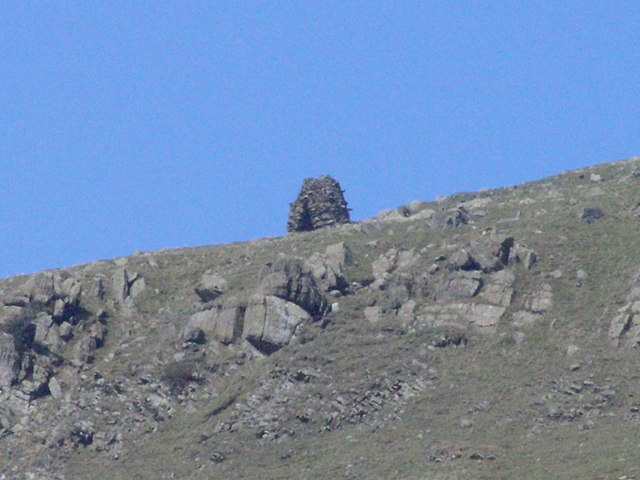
{"type": "Point", "coordinates": [498, 288]}
{"type": "Point", "coordinates": [406, 312]}
{"type": "Point", "coordinates": [393, 262]}
{"type": "Point", "coordinates": [328, 268]}
{"type": "Point", "coordinates": [211, 286]}
{"type": "Point", "coordinates": [137, 286]}
{"type": "Point", "coordinates": [57, 291]}
{"type": "Point", "coordinates": [339, 255]}
{"type": "Point", "coordinates": [222, 322]}
{"type": "Point", "coordinates": [40, 288]}
{"type": "Point", "coordinates": [320, 203]}
{"type": "Point", "coordinates": [47, 334]}
{"type": "Point", "coordinates": [634, 293]}
{"type": "Point", "coordinates": [120, 283]}
{"type": "Point", "coordinates": [486, 257]}
{"type": "Point", "coordinates": [525, 256]}
{"type": "Point", "coordinates": [9, 359]}
{"type": "Point", "coordinates": [193, 334]}
{"type": "Point", "coordinates": [199, 325]}
{"type": "Point", "coordinates": [624, 330]}
{"type": "Point", "coordinates": [383, 266]}
{"type": "Point", "coordinates": [592, 214]}
{"type": "Point", "coordinates": [71, 287]}
{"type": "Point", "coordinates": [459, 314]}
{"type": "Point", "coordinates": [412, 212]}
{"type": "Point", "coordinates": [482, 315]}
{"type": "Point", "coordinates": [462, 260]}
{"type": "Point", "coordinates": [523, 318]}
{"type": "Point", "coordinates": [10, 314]}
{"type": "Point", "coordinates": [373, 314]}
{"type": "Point", "coordinates": [288, 279]}
{"type": "Point", "coordinates": [83, 350]}
{"type": "Point", "coordinates": [126, 284]}
{"type": "Point", "coordinates": [449, 219]}
{"type": "Point", "coordinates": [37, 384]}
{"type": "Point", "coordinates": [54, 388]}
{"type": "Point", "coordinates": [270, 322]}
{"type": "Point", "coordinates": [540, 301]}
{"type": "Point", "coordinates": [490, 256]}
{"type": "Point", "coordinates": [230, 321]}
{"type": "Point", "coordinates": [459, 285]}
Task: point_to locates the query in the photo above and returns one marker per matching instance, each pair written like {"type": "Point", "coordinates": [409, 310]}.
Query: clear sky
{"type": "Point", "coordinates": [131, 126]}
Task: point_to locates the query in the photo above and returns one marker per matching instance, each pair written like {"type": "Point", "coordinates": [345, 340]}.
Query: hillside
{"type": "Point", "coordinates": [488, 335]}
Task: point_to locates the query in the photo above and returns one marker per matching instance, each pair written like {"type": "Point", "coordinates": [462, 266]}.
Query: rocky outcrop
{"type": "Point", "coordinates": [477, 287]}
{"type": "Point", "coordinates": [320, 203]}
{"type": "Point", "coordinates": [287, 295]}
{"type": "Point", "coordinates": [47, 328]}
{"type": "Point", "coordinates": [58, 294]}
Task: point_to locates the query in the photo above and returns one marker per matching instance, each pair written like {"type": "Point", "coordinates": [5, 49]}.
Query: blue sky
{"type": "Point", "coordinates": [131, 126]}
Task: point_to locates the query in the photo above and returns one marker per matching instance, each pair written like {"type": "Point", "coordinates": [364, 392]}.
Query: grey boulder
{"type": "Point", "coordinates": [9, 365]}
{"type": "Point", "coordinates": [211, 286]}
{"type": "Point", "coordinates": [287, 279]}
{"type": "Point", "coordinates": [270, 322]}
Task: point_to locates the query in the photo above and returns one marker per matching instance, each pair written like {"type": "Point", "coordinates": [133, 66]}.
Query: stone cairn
{"type": "Point", "coordinates": [320, 203]}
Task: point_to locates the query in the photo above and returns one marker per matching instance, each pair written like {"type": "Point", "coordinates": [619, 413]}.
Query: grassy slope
{"type": "Point", "coordinates": [504, 389]}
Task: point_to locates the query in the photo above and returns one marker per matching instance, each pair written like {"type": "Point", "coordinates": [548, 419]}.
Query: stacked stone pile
{"type": "Point", "coordinates": [320, 203]}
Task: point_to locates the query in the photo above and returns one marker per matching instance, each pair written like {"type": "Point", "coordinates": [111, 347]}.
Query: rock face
{"type": "Point", "coordinates": [320, 203]}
